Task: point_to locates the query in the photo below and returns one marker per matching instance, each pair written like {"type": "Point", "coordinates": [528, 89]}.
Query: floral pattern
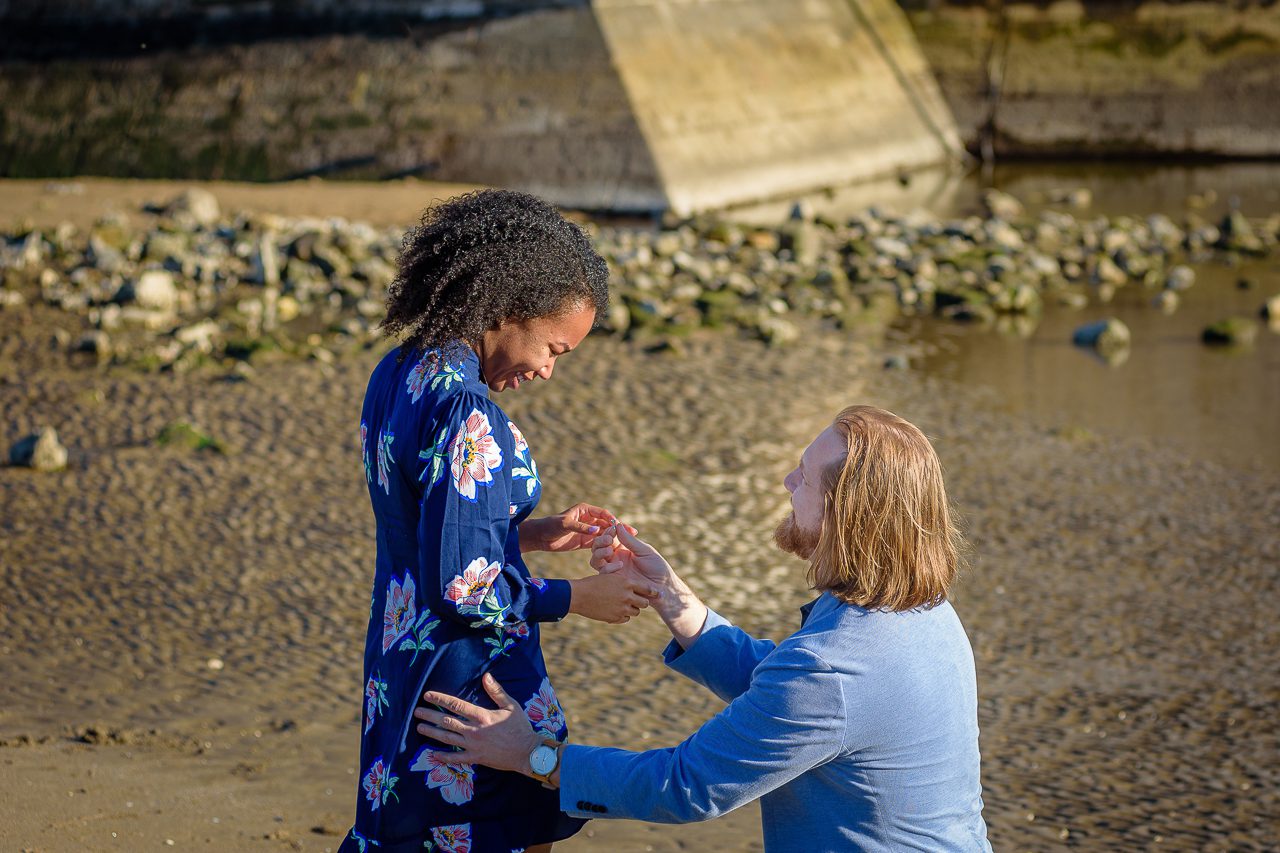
{"type": "Point", "coordinates": [375, 699]}
{"type": "Point", "coordinates": [426, 368]}
{"type": "Point", "coordinates": [384, 460]}
{"type": "Point", "coordinates": [468, 589]}
{"type": "Point", "coordinates": [545, 713]}
{"type": "Point", "coordinates": [450, 839]}
{"type": "Point", "coordinates": [364, 451]}
{"type": "Point", "coordinates": [400, 611]}
{"type": "Point", "coordinates": [456, 782]}
{"type": "Point", "coordinates": [474, 455]}
{"type": "Point", "coordinates": [527, 469]}
{"type": "Point", "coordinates": [362, 843]}
{"type": "Point", "coordinates": [420, 637]}
{"type": "Point", "coordinates": [435, 457]}
{"type": "Point", "coordinates": [379, 785]}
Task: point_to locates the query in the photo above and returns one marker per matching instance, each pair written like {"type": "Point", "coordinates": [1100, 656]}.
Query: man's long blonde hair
{"type": "Point", "coordinates": [887, 540]}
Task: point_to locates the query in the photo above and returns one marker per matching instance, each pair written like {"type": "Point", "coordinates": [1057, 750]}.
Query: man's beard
{"type": "Point", "coordinates": [793, 539]}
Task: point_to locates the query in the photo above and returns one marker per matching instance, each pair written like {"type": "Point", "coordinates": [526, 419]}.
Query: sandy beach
{"type": "Point", "coordinates": [180, 630]}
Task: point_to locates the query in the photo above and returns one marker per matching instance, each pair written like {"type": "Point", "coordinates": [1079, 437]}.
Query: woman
{"type": "Point", "coordinates": [492, 288]}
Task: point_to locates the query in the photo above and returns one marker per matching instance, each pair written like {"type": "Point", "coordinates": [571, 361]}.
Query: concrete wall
{"type": "Point", "coordinates": [1107, 79]}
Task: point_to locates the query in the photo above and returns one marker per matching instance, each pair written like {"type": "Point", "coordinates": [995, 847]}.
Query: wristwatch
{"type": "Point", "coordinates": [544, 760]}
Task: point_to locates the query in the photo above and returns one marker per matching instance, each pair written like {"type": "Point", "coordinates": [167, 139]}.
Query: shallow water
{"type": "Point", "coordinates": [1219, 404]}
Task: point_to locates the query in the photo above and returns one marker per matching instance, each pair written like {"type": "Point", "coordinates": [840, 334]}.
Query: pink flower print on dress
{"type": "Point", "coordinates": [375, 699]}
{"type": "Point", "coordinates": [545, 713]}
{"type": "Point", "coordinates": [384, 460]}
{"type": "Point", "coordinates": [451, 839]}
{"type": "Point", "coordinates": [518, 630]}
{"type": "Point", "coordinates": [538, 583]}
{"type": "Point", "coordinates": [400, 611]}
{"type": "Point", "coordinates": [521, 444]}
{"type": "Point", "coordinates": [468, 590]}
{"type": "Point", "coordinates": [473, 455]}
{"type": "Point", "coordinates": [364, 451]}
{"type": "Point", "coordinates": [378, 785]}
{"type": "Point", "coordinates": [457, 782]}
{"type": "Point", "coordinates": [427, 367]}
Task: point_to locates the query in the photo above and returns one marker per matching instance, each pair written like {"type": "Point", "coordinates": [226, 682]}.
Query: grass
{"type": "Point", "coordinates": [181, 434]}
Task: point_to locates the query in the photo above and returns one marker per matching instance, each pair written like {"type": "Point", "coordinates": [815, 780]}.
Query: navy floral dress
{"type": "Point", "coordinates": [450, 478]}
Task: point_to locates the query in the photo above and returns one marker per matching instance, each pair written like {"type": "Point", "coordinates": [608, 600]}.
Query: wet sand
{"type": "Point", "coordinates": [1119, 598]}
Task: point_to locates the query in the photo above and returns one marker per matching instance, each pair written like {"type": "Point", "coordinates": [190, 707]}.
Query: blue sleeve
{"type": "Point", "coordinates": [721, 659]}
{"type": "Point", "coordinates": [465, 519]}
{"type": "Point", "coordinates": [790, 720]}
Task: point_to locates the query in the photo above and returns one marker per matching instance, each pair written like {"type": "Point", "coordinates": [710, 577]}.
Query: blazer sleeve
{"type": "Point", "coordinates": [722, 659]}
{"type": "Point", "coordinates": [790, 720]}
{"type": "Point", "coordinates": [464, 520]}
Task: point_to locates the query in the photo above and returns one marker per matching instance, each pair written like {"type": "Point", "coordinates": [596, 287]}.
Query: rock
{"type": "Point", "coordinates": [41, 451]}
{"type": "Point", "coordinates": [1230, 331]}
{"type": "Point", "coordinates": [1181, 277]}
{"type": "Point", "coordinates": [1106, 271]}
{"type": "Point", "coordinates": [1167, 301]}
{"type": "Point", "coordinates": [199, 336]}
{"type": "Point", "coordinates": [152, 290]}
{"type": "Point", "coordinates": [897, 362]}
{"type": "Point", "coordinates": [95, 343]}
{"type": "Point", "coordinates": [776, 331]}
{"type": "Point", "coordinates": [287, 309]}
{"type": "Point", "coordinates": [1105, 336]}
{"type": "Point", "coordinates": [1245, 284]}
{"type": "Point", "coordinates": [1001, 205]}
{"type": "Point", "coordinates": [265, 265]}
{"type": "Point", "coordinates": [1079, 198]}
{"type": "Point", "coordinates": [200, 205]}
{"type": "Point", "coordinates": [11, 299]}
{"type": "Point", "coordinates": [1236, 234]}
{"type": "Point", "coordinates": [1271, 309]}
{"type": "Point", "coordinates": [1073, 299]}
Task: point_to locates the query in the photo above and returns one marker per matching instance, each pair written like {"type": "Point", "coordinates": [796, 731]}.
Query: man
{"type": "Point", "coordinates": [858, 732]}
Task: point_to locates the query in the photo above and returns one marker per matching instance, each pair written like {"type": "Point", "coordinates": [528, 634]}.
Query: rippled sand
{"type": "Point", "coordinates": [1119, 600]}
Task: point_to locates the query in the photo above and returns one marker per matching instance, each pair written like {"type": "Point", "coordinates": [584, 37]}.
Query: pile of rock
{"type": "Point", "coordinates": [191, 284]}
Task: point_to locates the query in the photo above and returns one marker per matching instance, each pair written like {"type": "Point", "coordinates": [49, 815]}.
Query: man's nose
{"type": "Point", "coordinates": [790, 482]}
{"type": "Point", "coordinates": [546, 370]}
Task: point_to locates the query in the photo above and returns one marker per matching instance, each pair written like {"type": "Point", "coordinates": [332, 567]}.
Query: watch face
{"type": "Point", "coordinates": [542, 760]}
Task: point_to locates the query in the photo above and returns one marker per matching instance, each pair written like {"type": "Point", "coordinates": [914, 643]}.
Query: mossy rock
{"type": "Point", "coordinates": [1230, 331]}
{"type": "Point", "coordinates": [183, 435]}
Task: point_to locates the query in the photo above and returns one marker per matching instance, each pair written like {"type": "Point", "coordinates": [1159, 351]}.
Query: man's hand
{"type": "Point", "coordinates": [570, 530]}
{"type": "Point", "coordinates": [501, 739]}
{"type": "Point", "coordinates": [614, 597]}
{"type": "Point", "coordinates": [618, 549]}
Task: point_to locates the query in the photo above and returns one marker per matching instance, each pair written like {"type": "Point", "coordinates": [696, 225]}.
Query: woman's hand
{"type": "Point", "coordinates": [570, 530]}
{"type": "Point", "coordinates": [502, 738]}
{"type": "Point", "coordinates": [613, 597]}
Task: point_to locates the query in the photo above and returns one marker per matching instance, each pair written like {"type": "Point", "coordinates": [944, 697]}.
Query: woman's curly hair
{"type": "Point", "coordinates": [484, 258]}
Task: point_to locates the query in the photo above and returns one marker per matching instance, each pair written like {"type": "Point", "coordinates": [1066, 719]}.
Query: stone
{"type": "Point", "coordinates": [1167, 301]}
{"type": "Point", "coordinates": [777, 332]}
{"type": "Point", "coordinates": [1180, 277]}
{"type": "Point", "coordinates": [11, 299]}
{"type": "Point", "coordinates": [40, 451]}
{"type": "Point", "coordinates": [96, 343]}
{"type": "Point", "coordinates": [200, 205]}
{"type": "Point", "coordinates": [1001, 205]}
{"type": "Point", "coordinates": [1230, 331]}
{"type": "Point", "coordinates": [198, 336]}
{"type": "Point", "coordinates": [265, 264]}
{"type": "Point", "coordinates": [1106, 271]}
{"type": "Point", "coordinates": [1105, 336]}
{"type": "Point", "coordinates": [153, 290]}
{"type": "Point", "coordinates": [1271, 309]}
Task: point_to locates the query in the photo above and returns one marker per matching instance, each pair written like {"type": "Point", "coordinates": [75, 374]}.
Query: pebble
{"type": "Point", "coordinates": [1230, 331]}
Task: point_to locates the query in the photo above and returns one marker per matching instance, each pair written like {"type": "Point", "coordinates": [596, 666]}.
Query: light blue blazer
{"type": "Point", "coordinates": [857, 732]}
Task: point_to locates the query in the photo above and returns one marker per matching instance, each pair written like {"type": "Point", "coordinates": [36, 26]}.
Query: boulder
{"type": "Point", "coordinates": [41, 451]}
{"type": "Point", "coordinates": [1180, 277]}
{"type": "Point", "coordinates": [153, 290]}
{"type": "Point", "coordinates": [1001, 205]}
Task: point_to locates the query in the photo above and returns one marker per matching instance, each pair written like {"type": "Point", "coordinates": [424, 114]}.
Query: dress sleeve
{"type": "Point", "coordinates": [464, 521]}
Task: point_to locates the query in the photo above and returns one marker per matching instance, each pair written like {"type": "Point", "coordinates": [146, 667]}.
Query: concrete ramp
{"type": "Point", "coordinates": [741, 100]}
